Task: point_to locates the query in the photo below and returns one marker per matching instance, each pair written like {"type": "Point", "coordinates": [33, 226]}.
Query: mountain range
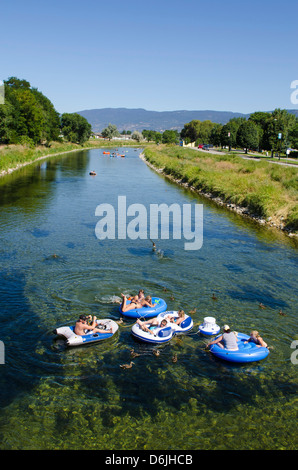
{"type": "Point", "coordinates": [140, 119]}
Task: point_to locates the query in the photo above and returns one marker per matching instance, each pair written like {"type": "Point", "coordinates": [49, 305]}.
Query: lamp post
{"type": "Point", "coordinates": [280, 139]}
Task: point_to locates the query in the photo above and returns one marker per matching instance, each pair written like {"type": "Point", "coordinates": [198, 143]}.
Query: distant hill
{"type": "Point", "coordinates": [139, 119]}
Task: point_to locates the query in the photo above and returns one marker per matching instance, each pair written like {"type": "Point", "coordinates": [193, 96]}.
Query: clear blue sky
{"type": "Point", "coordinates": [159, 55]}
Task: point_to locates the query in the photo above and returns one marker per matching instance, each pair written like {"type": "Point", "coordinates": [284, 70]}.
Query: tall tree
{"type": "Point", "coordinates": [75, 127]}
{"type": "Point", "coordinates": [228, 133]}
{"type": "Point", "coordinates": [247, 136]}
{"type": "Point", "coordinates": [190, 131]}
{"type": "Point", "coordinates": [260, 118]}
{"type": "Point", "coordinates": [110, 131]}
{"type": "Point", "coordinates": [215, 134]}
{"type": "Point", "coordinates": [277, 130]}
{"type": "Point", "coordinates": [27, 114]}
{"type": "Point", "coordinates": [170, 137]}
{"type": "Point", "coordinates": [293, 135]}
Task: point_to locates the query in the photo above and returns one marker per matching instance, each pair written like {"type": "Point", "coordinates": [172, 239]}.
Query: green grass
{"type": "Point", "coordinates": [268, 191]}
{"type": "Point", "coordinates": [12, 156]}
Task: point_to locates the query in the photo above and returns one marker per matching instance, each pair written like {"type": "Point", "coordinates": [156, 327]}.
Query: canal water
{"type": "Point", "coordinates": [53, 268]}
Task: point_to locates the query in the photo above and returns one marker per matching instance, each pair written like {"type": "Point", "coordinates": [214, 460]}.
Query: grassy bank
{"type": "Point", "coordinates": [14, 156]}
{"type": "Point", "coordinates": [268, 192]}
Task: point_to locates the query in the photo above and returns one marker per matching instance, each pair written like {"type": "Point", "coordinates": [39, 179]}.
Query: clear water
{"type": "Point", "coordinates": [53, 268]}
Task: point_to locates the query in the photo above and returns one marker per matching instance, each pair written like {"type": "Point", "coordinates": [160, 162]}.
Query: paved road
{"type": "Point", "coordinates": [246, 157]}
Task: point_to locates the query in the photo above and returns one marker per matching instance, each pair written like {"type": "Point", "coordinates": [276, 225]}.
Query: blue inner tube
{"type": "Point", "coordinates": [249, 352]}
{"type": "Point", "coordinates": [146, 312]}
{"type": "Point", "coordinates": [93, 337]}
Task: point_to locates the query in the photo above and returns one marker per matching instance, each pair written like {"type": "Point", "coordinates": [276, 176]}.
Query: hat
{"type": "Point", "coordinates": [226, 327]}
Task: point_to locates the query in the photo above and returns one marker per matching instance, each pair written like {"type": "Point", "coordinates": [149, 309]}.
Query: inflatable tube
{"type": "Point", "coordinates": [76, 340]}
{"type": "Point", "coordinates": [209, 327]}
{"type": "Point", "coordinates": [166, 333]}
{"type": "Point", "coordinates": [146, 312]}
{"type": "Point", "coordinates": [249, 352]}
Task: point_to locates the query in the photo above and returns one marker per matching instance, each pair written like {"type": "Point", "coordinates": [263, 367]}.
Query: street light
{"type": "Point", "coordinates": [280, 138]}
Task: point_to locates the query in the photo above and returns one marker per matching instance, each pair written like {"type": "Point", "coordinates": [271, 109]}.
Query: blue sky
{"type": "Point", "coordinates": [158, 55]}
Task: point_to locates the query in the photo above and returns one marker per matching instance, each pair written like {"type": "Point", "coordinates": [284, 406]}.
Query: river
{"type": "Point", "coordinates": [53, 268]}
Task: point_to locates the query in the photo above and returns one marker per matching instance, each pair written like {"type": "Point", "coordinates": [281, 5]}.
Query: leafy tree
{"type": "Point", "coordinates": [137, 135]}
{"type": "Point", "coordinates": [110, 132]}
{"type": "Point", "coordinates": [247, 136]}
{"type": "Point", "coordinates": [215, 135]}
{"type": "Point", "coordinates": [27, 114]}
{"type": "Point", "coordinates": [150, 135]}
{"type": "Point", "coordinates": [228, 134]}
{"type": "Point", "coordinates": [204, 133]}
{"type": "Point", "coordinates": [157, 137]}
{"type": "Point", "coordinates": [279, 123]}
{"type": "Point", "coordinates": [31, 118]}
{"type": "Point", "coordinates": [293, 135]}
{"type": "Point", "coordinates": [190, 131]}
{"type": "Point", "coordinates": [260, 118]}
{"type": "Point", "coordinates": [6, 124]}
{"type": "Point", "coordinates": [16, 83]}
{"type": "Point", "coordinates": [197, 131]}
{"type": "Point", "coordinates": [75, 128]}
{"type": "Point", "coordinates": [51, 129]}
{"type": "Point", "coordinates": [170, 137]}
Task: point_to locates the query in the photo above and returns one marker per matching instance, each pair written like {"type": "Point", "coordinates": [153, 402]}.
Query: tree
{"type": "Point", "coordinates": [154, 136]}
{"type": "Point", "coordinates": [157, 137]}
{"type": "Point", "coordinates": [148, 135]}
{"type": "Point", "coordinates": [204, 133]}
{"type": "Point", "coordinates": [277, 130]}
{"type": "Point", "coordinates": [190, 131]}
{"type": "Point", "coordinates": [197, 131]}
{"type": "Point", "coordinates": [31, 118]}
{"type": "Point", "coordinates": [215, 134]}
{"type": "Point", "coordinates": [110, 132]}
{"type": "Point", "coordinates": [51, 129]}
{"type": "Point", "coordinates": [293, 136]}
{"type": "Point", "coordinates": [137, 135]}
{"type": "Point", "coordinates": [247, 136]}
{"type": "Point", "coordinates": [7, 133]}
{"type": "Point", "coordinates": [170, 137]}
{"type": "Point", "coordinates": [260, 118]}
{"type": "Point", "coordinates": [228, 134]}
{"type": "Point", "coordinates": [27, 114]}
{"type": "Point", "coordinates": [17, 83]}
{"type": "Point", "coordinates": [75, 128]}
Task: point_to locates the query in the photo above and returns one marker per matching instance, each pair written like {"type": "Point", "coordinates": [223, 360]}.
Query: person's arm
{"type": "Point", "coordinates": [149, 304]}
{"type": "Point", "coordinates": [92, 326]}
{"type": "Point", "coordinates": [215, 341]}
{"type": "Point", "coordinates": [262, 342]}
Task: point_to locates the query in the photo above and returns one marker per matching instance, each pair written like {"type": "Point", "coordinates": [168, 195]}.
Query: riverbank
{"type": "Point", "coordinates": [13, 157]}
{"type": "Point", "coordinates": [266, 194]}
